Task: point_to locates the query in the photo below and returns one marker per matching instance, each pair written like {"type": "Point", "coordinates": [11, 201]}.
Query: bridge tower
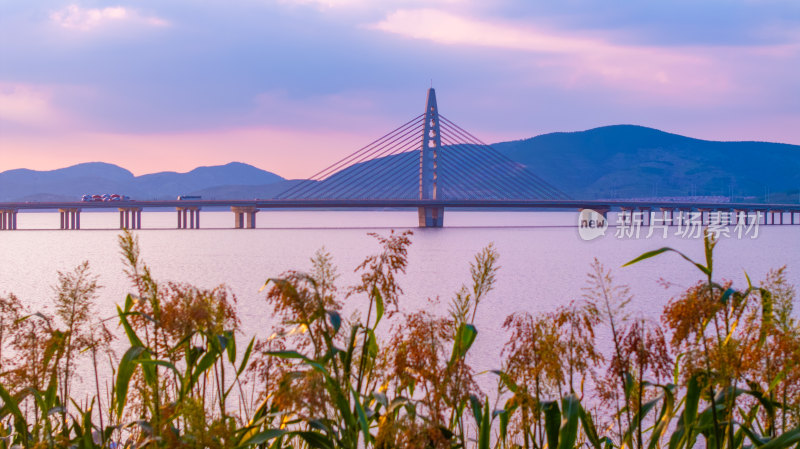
{"type": "Point", "coordinates": [429, 188]}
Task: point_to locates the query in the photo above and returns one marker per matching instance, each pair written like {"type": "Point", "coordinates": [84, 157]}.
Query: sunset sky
{"type": "Point", "coordinates": [290, 86]}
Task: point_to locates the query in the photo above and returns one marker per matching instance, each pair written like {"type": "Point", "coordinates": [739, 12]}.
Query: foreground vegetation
{"type": "Point", "coordinates": [721, 368]}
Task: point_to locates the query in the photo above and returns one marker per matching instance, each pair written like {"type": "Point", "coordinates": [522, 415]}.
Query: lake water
{"type": "Point", "coordinates": [543, 261]}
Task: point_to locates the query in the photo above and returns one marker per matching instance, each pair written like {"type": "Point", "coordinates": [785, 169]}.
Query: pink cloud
{"type": "Point", "coordinates": [75, 17]}
{"type": "Point", "coordinates": [573, 60]}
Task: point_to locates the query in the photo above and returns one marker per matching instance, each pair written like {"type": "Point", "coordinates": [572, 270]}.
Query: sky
{"type": "Point", "coordinates": [291, 86]}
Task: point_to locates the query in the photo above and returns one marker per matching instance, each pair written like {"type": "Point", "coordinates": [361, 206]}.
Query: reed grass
{"type": "Point", "coordinates": [720, 368]}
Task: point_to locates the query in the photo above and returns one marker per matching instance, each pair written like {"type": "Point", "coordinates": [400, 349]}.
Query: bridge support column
{"type": "Point", "coordinates": [625, 215]}
{"type": "Point", "coordinates": [752, 217]}
{"type": "Point", "coordinates": [736, 216]}
{"type": "Point", "coordinates": [8, 219]}
{"type": "Point", "coordinates": [70, 218]}
{"type": "Point", "coordinates": [668, 212]}
{"type": "Point", "coordinates": [431, 216]}
{"type": "Point", "coordinates": [130, 218]}
{"type": "Point", "coordinates": [188, 217]}
{"type": "Point", "coordinates": [684, 215]}
{"type": "Point", "coordinates": [244, 217]}
{"type": "Point", "coordinates": [645, 216]}
{"type": "Point", "coordinates": [703, 214]}
{"type": "Point", "coordinates": [195, 221]}
{"type": "Point", "coordinates": [603, 211]}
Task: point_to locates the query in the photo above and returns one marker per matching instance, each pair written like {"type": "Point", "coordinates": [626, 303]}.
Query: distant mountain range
{"type": "Point", "coordinates": [65, 184]}
{"type": "Point", "coordinates": [626, 161]}
{"type": "Point", "coordinates": [622, 161]}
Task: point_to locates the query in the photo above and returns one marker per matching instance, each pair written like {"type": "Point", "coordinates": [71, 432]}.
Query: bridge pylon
{"type": "Point", "coordinates": [430, 216]}
{"type": "Point", "coordinates": [429, 161]}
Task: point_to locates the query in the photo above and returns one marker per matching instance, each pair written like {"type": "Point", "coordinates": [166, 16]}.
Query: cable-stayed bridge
{"type": "Point", "coordinates": [428, 163]}
{"type": "Point", "coordinates": [427, 158]}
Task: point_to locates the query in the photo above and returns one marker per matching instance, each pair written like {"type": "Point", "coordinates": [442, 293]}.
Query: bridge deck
{"type": "Point", "coordinates": [398, 203]}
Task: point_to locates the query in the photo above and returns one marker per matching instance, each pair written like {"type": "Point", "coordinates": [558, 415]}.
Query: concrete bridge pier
{"type": "Point", "coordinates": [667, 215]}
{"type": "Point", "coordinates": [244, 217]}
{"type": "Point", "coordinates": [431, 216]}
{"type": "Point", "coordinates": [645, 216]}
{"type": "Point", "coordinates": [70, 218]}
{"type": "Point", "coordinates": [684, 216]}
{"type": "Point", "coordinates": [737, 216]}
{"type": "Point", "coordinates": [625, 215]}
{"type": "Point", "coordinates": [8, 219]}
{"type": "Point", "coordinates": [603, 211]}
{"type": "Point", "coordinates": [130, 218]}
{"type": "Point", "coordinates": [704, 212]}
{"type": "Point", "coordinates": [754, 216]}
{"type": "Point", "coordinates": [188, 217]}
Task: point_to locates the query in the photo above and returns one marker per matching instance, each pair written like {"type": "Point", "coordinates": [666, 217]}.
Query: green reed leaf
{"type": "Point", "coordinates": [485, 430]}
{"type": "Point", "coordinates": [656, 252]}
{"type": "Point", "coordinates": [465, 336]}
{"type": "Point", "coordinates": [127, 366]}
{"type": "Point", "coordinates": [552, 423]}
{"type": "Point", "coordinates": [570, 412]}
{"type": "Point", "coordinates": [262, 437]}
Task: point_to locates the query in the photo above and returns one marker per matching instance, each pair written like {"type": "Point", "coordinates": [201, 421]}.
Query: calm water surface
{"type": "Point", "coordinates": [543, 261]}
